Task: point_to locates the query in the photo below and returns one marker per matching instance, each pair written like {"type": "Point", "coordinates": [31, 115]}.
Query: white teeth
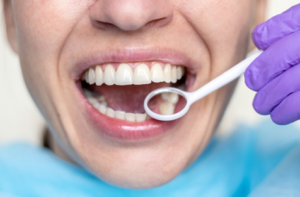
{"type": "Point", "coordinates": [99, 76]}
{"type": "Point", "coordinates": [174, 74]}
{"type": "Point", "coordinates": [180, 72]}
{"type": "Point", "coordinates": [86, 76]}
{"type": "Point", "coordinates": [173, 98]}
{"type": "Point", "coordinates": [96, 105]}
{"type": "Point", "coordinates": [167, 73]}
{"type": "Point", "coordinates": [130, 117]}
{"type": "Point", "coordinates": [91, 76]}
{"type": "Point", "coordinates": [120, 115]}
{"type": "Point", "coordinates": [92, 100]}
{"type": "Point", "coordinates": [157, 73]}
{"type": "Point", "coordinates": [166, 108]}
{"type": "Point", "coordinates": [140, 117]}
{"type": "Point", "coordinates": [102, 109]}
{"type": "Point", "coordinates": [109, 75]}
{"type": "Point", "coordinates": [165, 96]}
{"type": "Point", "coordinates": [141, 75]}
{"type": "Point", "coordinates": [87, 93]}
{"type": "Point", "coordinates": [101, 105]}
{"type": "Point", "coordinates": [110, 112]}
{"type": "Point", "coordinates": [124, 75]}
{"type": "Point", "coordinates": [170, 97]}
{"type": "Point", "coordinates": [101, 99]}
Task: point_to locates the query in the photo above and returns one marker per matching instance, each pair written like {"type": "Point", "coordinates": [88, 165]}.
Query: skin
{"type": "Point", "coordinates": [48, 36]}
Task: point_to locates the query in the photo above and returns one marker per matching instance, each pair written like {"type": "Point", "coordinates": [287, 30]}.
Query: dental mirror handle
{"type": "Point", "coordinates": [220, 81]}
{"type": "Point", "coordinates": [225, 78]}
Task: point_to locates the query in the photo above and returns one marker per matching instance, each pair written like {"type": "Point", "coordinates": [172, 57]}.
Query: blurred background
{"type": "Point", "coordinates": [21, 121]}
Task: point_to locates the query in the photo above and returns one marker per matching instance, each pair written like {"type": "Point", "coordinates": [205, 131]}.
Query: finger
{"type": "Point", "coordinates": [277, 90]}
{"type": "Point", "coordinates": [288, 110]}
{"type": "Point", "coordinates": [276, 59]}
{"type": "Point", "coordinates": [276, 28]}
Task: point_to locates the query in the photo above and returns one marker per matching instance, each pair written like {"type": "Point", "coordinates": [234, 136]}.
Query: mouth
{"type": "Point", "coordinates": [118, 90]}
{"type": "Point", "coordinates": [114, 94]}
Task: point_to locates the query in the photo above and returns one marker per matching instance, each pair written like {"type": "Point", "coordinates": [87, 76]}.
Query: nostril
{"type": "Point", "coordinates": [158, 22]}
{"type": "Point", "coordinates": [104, 25]}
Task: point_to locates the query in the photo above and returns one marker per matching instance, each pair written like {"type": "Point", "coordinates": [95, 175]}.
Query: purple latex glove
{"type": "Point", "coordinates": [275, 74]}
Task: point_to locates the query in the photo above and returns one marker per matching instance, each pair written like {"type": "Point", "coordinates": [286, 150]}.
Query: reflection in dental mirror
{"type": "Point", "coordinates": [167, 103]}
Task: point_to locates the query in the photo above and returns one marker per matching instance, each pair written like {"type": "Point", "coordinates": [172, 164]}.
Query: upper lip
{"type": "Point", "coordinates": [131, 55]}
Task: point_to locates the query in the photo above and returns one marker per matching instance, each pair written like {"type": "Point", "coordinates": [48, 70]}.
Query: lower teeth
{"type": "Point", "coordinates": [100, 104]}
{"type": "Point", "coordinates": [167, 107]}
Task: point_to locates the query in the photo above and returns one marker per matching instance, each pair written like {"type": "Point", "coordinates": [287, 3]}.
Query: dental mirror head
{"type": "Point", "coordinates": [167, 104]}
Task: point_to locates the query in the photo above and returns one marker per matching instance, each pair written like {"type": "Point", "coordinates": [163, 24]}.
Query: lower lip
{"type": "Point", "coordinates": [121, 129]}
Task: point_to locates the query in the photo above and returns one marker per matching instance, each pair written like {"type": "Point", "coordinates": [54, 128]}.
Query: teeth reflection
{"type": "Point", "coordinates": [173, 98]}
{"type": "Point", "coordinates": [166, 108]}
{"type": "Point", "coordinates": [165, 96]}
{"type": "Point", "coordinates": [170, 97]}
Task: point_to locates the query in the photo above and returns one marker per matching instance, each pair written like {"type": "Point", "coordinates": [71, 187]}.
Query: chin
{"type": "Point", "coordinates": [138, 168]}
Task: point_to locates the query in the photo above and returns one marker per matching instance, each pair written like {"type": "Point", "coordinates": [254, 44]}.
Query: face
{"type": "Point", "coordinates": [87, 62]}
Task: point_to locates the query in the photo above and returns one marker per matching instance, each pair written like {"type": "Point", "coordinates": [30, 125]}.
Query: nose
{"type": "Point", "coordinates": [130, 15]}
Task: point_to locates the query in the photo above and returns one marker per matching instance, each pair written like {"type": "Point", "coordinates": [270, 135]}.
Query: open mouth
{"type": "Point", "coordinates": [118, 90]}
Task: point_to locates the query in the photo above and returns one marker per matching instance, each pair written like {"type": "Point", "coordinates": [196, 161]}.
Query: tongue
{"type": "Point", "coordinates": [127, 98]}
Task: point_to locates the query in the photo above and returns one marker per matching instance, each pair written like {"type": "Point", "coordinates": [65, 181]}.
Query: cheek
{"type": "Point", "coordinates": [42, 32]}
{"type": "Point", "coordinates": [42, 29]}
{"type": "Point", "coordinates": [223, 25]}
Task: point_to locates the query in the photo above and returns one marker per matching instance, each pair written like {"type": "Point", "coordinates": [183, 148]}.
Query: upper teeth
{"type": "Point", "coordinates": [125, 75]}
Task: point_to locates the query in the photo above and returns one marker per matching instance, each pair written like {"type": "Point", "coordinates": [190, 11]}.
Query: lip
{"type": "Point", "coordinates": [132, 55]}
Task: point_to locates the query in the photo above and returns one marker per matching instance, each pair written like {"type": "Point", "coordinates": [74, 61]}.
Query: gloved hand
{"type": "Point", "coordinates": [275, 74]}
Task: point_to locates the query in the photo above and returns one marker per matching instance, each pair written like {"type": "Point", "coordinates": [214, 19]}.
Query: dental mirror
{"type": "Point", "coordinates": [172, 103]}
